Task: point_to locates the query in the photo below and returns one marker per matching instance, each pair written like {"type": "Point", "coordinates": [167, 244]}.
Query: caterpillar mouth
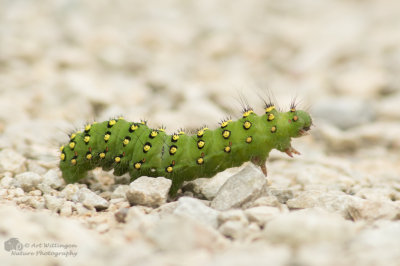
{"type": "Point", "coordinates": [304, 131]}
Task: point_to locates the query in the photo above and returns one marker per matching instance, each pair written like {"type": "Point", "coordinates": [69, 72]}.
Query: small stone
{"type": "Point", "coordinates": [195, 209]}
{"type": "Point", "coordinates": [80, 209]}
{"type": "Point", "coordinates": [91, 200]}
{"type": "Point", "coordinates": [232, 229]}
{"type": "Point", "coordinates": [332, 201]}
{"type": "Point", "coordinates": [70, 192]}
{"type": "Point", "coordinates": [11, 161]}
{"type": "Point", "coordinates": [208, 187]}
{"type": "Point", "coordinates": [266, 201]}
{"type": "Point", "coordinates": [53, 179]}
{"type": "Point", "coordinates": [46, 189]}
{"type": "Point", "coordinates": [232, 215]}
{"type": "Point", "coordinates": [138, 219]}
{"type": "Point", "coordinates": [374, 210]}
{"type": "Point", "coordinates": [377, 194]}
{"type": "Point", "coordinates": [165, 209]}
{"type": "Point", "coordinates": [261, 215]}
{"type": "Point", "coordinates": [183, 234]}
{"type": "Point", "coordinates": [53, 203]}
{"type": "Point", "coordinates": [33, 166]}
{"type": "Point", "coordinates": [35, 192]}
{"type": "Point", "coordinates": [308, 226]}
{"type": "Point", "coordinates": [135, 213]}
{"type": "Point", "coordinates": [377, 245]}
{"type": "Point", "coordinates": [120, 192]}
{"type": "Point", "coordinates": [28, 181]}
{"type": "Point", "coordinates": [36, 202]}
{"type": "Point", "coordinates": [148, 191]}
{"type": "Point", "coordinates": [121, 214]}
{"type": "Point", "coordinates": [283, 195]}
{"type": "Point", "coordinates": [66, 209]}
{"type": "Point", "coordinates": [18, 192]}
{"type": "Point", "coordinates": [240, 188]}
{"type": "Point", "coordinates": [103, 227]}
{"type": "Point", "coordinates": [6, 182]}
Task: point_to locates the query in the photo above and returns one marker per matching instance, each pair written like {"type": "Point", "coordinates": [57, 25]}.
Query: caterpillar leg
{"type": "Point", "coordinates": [257, 161]}
{"type": "Point", "coordinates": [176, 184]}
{"type": "Point", "coordinates": [289, 151]}
{"type": "Point", "coordinates": [264, 169]}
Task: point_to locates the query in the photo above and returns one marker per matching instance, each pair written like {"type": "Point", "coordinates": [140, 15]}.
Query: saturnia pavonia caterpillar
{"type": "Point", "coordinates": [142, 151]}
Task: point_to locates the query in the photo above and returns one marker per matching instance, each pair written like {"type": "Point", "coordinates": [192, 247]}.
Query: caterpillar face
{"type": "Point", "coordinates": [298, 123]}
{"type": "Point", "coordinates": [135, 148]}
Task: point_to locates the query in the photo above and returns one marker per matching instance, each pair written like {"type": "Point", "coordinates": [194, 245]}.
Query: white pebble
{"type": "Point", "coordinates": [148, 191]}
{"type": "Point", "coordinates": [28, 181]}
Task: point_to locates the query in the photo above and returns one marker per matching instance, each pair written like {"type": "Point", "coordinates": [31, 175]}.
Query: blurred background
{"type": "Point", "coordinates": [188, 63]}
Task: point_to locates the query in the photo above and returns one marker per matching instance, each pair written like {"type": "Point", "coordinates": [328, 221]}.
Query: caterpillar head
{"type": "Point", "coordinates": [300, 121]}
{"type": "Point", "coordinates": [293, 124]}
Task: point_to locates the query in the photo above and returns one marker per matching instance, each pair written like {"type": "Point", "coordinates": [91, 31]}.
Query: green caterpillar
{"type": "Point", "coordinates": [135, 148]}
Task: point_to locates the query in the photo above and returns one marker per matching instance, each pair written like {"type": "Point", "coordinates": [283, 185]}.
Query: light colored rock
{"type": "Point", "coordinates": [183, 234]}
{"type": "Point", "coordinates": [148, 191]}
{"type": "Point", "coordinates": [322, 254]}
{"type": "Point", "coordinates": [3, 192]}
{"type": "Point", "coordinates": [377, 194]}
{"type": "Point", "coordinates": [232, 229]}
{"type": "Point", "coordinates": [195, 209]}
{"type": "Point", "coordinates": [373, 210]}
{"type": "Point", "coordinates": [53, 203]}
{"type": "Point", "coordinates": [12, 161]}
{"type": "Point", "coordinates": [387, 105]}
{"type": "Point", "coordinates": [209, 187]}
{"type": "Point", "coordinates": [70, 192]}
{"type": "Point", "coordinates": [253, 254]}
{"type": "Point", "coordinates": [282, 195]}
{"type": "Point", "coordinates": [120, 192]}
{"type": "Point", "coordinates": [35, 192]}
{"type": "Point", "coordinates": [33, 166]}
{"type": "Point", "coordinates": [308, 226]}
{"type": "Point", "coordinates": [232, 215]}
{"type": "Point", "coordinates": [80, 209]}
{"type": "Point", "coordinates": [332, 201]}
{"type": "Point", "coordinates": [165, 209]}
{"type": "Point", "coordinates": [28, 181]}
{"type": "Point", "coordinates": [18, 192]}
{"type": "Point", "coordinates": [240, 188]}
{"type": "Point", "coordinates": [262, 214]}
{"type": "Point", "coordinates": [91, 200]}
{"type": "Point", "coordinates": [266, 201]}
{"type": "Point", "coordinates": [67, 208]}
{"type": "Point", "coordinates": [135, 213]}
{"type": "Point", "coordinates": [35, 202]}
{"type": "Point", "coordinates": [53, 179]}
{"type": "Point", "coordinates": [6, 182]}
{"type": "Point", "coordinates": [378, 245]}
{"type": "Point", "coordinates": [138, 220]}
{"type": "Point", "coordinates": [46, 189]}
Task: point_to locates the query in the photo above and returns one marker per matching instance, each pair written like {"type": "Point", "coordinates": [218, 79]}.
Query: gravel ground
{"type": "Point", "coordinates": [186, 64]}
